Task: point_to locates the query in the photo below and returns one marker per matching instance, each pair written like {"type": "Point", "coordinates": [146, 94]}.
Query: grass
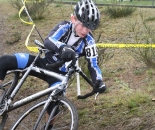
{"type": "Point", "coordinates": [126, 105]}
{"type": "Point", "coordinates": [125, 2]}
{"type": "Point", "coordinates": [137, 3]}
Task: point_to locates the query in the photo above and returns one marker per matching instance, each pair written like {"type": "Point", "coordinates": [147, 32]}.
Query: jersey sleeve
{"type": "Point", "coordinates": [52, 42]}
{"type": "Point", "coordinates": [91, 55]}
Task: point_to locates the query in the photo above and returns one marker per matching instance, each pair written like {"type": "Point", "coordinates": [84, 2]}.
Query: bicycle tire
{"type": "Point", "coordinates": [9, 84]}
{"type": "Point", "coordinates": [66, 118]}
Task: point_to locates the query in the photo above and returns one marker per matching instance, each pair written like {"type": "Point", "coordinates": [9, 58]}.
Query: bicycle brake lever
{"type": "Point", "coordinates": [96, 95]}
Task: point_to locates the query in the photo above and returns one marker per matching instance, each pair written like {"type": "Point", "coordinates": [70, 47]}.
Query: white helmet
{"type": "Point", "coordinates": [87, 13]}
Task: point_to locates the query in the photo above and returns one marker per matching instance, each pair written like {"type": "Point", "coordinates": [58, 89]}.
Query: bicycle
{"type": "Point", "coordinates": [63, 115]}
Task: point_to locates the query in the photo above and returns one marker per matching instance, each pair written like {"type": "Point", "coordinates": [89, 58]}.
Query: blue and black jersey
{"type": "Point", "coordinates": [63, 34]}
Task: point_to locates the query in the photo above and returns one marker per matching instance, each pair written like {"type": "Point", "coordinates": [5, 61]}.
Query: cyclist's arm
{"type": "Point", "coordinates": [52, 42]}
{"type": "Point", "coordinates": [94, 70]}
{"type": "Point", "coordinates": [92, 58]}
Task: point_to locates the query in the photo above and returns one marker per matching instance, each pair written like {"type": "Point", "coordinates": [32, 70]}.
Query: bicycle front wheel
{"type": "Point", "coordinates": [65, 119]}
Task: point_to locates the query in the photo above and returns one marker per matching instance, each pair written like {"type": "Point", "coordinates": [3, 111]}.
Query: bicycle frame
{"type": "Point", "coordinates": [63, 78]}
{"type": "Point", "coordinates": [9, 106]}
{"type": "Point", "coordinates": [28, 99]}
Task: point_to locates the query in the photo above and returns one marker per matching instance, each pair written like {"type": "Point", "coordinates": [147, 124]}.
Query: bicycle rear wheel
{"type": "Point", "coordinates": [11, 81]}
{"type": "Point", "coordinates": [9, 84]}
{"type": "Point", "coordinates": [65, 119]}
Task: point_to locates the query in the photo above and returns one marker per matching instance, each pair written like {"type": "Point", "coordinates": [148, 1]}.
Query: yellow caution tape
{"type": "Point", "coordinates": [34, 49]}
{"type": "Point", "coordinates": [102, 45]}
{"type": "Point", "coordinates": [108, 45]}
{"type": "Point", "coordinates": [20, 11]}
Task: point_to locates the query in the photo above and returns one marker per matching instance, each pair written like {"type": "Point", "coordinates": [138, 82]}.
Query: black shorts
{"type": "Point", "coordinates": [10, 62]}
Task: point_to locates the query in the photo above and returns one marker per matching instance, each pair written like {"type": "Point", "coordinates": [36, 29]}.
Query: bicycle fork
{"type": "Point", "coordinates": [49, 100]}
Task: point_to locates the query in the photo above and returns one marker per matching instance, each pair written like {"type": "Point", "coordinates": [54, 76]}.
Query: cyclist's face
{"type": "Point", "coordinates": [81, 30]}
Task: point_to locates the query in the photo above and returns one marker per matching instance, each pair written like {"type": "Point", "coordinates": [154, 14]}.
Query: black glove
{"type": "Point", "coordinates": [68, 54]}
{"type": "Point", "coordinates": [99, 86]}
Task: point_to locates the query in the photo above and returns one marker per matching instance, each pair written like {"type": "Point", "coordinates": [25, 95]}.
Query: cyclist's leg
{"type": "Point", "coordinates": [7, 62]}
{"type": "Point", "coordinates": [42, 64]}
{"type": "Point", "coordinates": [49, 109]}
{"type": "Point", "coordinates": [64, 115]}
{"type": "Point", "coordinates": [11, 62]}
{"type": "Point", "coordinates": [51, 81]}
{"type": "Point", "coordinates": [39, 63]}
{"type": "Point", "coordinates": [21, 61]}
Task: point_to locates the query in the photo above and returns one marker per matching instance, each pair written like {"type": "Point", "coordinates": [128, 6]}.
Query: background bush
{"type": "Point", "coordinates": [143, 34]}
{"type": "Point", "coordinates": [119, 11]}
{"type": "Point", "coordinates": [37, 8]}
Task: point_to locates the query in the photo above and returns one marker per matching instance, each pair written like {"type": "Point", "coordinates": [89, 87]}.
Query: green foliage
{"type": "Point", "coordinates": [136, 99]}
{"type": "Point", "coordinates": [119, 11]}
{"type": "Point", "coordinates": [104, 56]}
{"type": "Point", "coordinates": [150, 19]}
{"type": "Point", "coordinates": [145, 55]}
{"type": "Point", "coordinates": [58, 5]}
{"type": "Point", "coordinates": [143, 34]}
{"type": "Point", "coordinates": [127, 99]}
{"type": "Point", "coordinates": [36, 8]}
{"type": "Point", "coordinates": [13, 38]}
{"type": "Point", "coordinates": [83, 112]}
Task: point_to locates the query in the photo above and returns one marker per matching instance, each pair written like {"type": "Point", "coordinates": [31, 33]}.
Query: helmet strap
{"type": "Point", "coordinates": [74, 25]}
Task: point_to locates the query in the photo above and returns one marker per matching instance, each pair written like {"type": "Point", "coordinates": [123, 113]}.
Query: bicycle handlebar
{"type": "Point", "coordinates": [86, 95]}
{"type": "Point", "coordinates": [39, 44]}
{"type": "Point", "coordinates": [60, 63]}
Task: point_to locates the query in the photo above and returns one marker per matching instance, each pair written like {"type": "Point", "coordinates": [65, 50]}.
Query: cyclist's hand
{"type": "Point", "coordinates": [68, 54]}
{"type": "Point", "coordinates": [100, 86]}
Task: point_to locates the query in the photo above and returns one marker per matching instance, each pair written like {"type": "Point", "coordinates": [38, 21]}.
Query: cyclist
{"type": "Point", "coordinates": [66, 39]}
